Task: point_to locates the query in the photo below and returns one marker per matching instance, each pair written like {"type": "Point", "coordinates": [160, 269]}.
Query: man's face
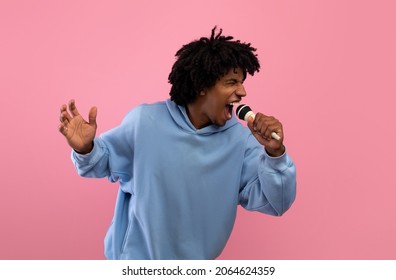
{"type": "Point", "coordinates": [217, 102]}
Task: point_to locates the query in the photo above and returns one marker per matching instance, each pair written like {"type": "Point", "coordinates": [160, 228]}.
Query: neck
{"type": "Point", "coordinates": [195, 115]}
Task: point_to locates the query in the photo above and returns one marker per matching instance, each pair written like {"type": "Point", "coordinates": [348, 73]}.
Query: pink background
{"type": "Point", "coordinates": [328, 73]}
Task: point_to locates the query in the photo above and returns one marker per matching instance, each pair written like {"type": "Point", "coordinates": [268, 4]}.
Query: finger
{"type": "Point", "coordinates": [64, 123]}
{"type": "Point", "coordinates": [73, 108]}
{"type": "Point", "coordinates": [63, 108]}
{"type": "Point", "coordinates": [255, 132]}
{"type": "Point", "coordinates": [272, 126]}
{"type": "Point", "coordinates": [62, 129]}
{"type": "Point", "coordinates": [262, 140]}
{"type": "Point", "coordinates": [64, 119]}
{"type": "Point", "coordinates": [250, 124]}
{"type": "Point", "coordinates": [92, 116]}
{"type": "Point", "coordinates": [265, 125]}
{"type": "Point", "coordinates": [64, 115]}
{"type": "Point", "coordinates": [258, 121]}
{"type": "Point", "coordinates": [277, 128]}
{"type": "Point", "coordinates": [261, 125]}
{"type": "Point", "coordinates": [279, 131]}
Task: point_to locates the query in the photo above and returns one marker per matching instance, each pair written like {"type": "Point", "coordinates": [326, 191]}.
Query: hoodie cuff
{"type": "Point", "coordinates": [90, 157]}
{"type": "Point", "coordinates": [280, 163]}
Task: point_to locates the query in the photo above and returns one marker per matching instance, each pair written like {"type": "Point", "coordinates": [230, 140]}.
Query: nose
{"type": "Point", "coordinates": [241, 90]}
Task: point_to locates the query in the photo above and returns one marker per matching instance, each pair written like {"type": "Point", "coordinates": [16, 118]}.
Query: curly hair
{"type": "Point", "coordinates": [202, 62]}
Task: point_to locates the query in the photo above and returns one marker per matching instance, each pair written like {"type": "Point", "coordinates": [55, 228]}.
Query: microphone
{"type": "Point", "coordinates": [244, 112]}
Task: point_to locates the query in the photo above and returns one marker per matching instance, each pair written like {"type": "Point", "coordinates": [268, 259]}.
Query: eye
{"type": "Point", "coordinates": [231, 82]}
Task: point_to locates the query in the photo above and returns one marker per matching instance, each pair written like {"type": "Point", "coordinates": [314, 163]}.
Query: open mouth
{"type": "Point", "coordinates": [228, 110]}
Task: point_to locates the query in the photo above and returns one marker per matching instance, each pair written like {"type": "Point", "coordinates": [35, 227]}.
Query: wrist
{"type": "Point", "coordinates": [275, 152]}
{"type": "Point", "coordinates": [85, 150]}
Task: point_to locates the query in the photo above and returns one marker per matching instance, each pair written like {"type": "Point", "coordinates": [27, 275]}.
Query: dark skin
{"type": "Point", "coordinates": [210, 107]}
{"type": "Point", "coordinates": [261, 127]}
{"type": "Point", "coordinates": [79, 133]}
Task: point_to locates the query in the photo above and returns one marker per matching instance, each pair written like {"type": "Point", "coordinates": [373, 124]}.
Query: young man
{"type": "Point", "coordinates": [185, 164]}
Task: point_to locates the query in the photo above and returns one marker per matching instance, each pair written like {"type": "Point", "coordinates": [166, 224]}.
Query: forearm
{"type": "Point", "coordinates": [271, 188]}
{"type": "Point", "coordinates": [277, 177]}
{"type": "Point", "coordinates": [93, 164]}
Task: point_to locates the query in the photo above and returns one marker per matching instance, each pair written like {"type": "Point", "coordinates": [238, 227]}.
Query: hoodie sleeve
{"type": "Point", "coordinates": [112, 154]}
{"type": "Point", "coordinates": [268, 183]}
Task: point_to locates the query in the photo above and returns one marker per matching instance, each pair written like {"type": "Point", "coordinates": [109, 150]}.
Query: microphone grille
{"type": "Point", "coordinates": [242, 110]}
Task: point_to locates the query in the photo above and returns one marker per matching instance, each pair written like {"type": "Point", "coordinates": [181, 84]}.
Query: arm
{"type": "Point", "coordinates": [269, 174]}
{"type": "Point", "coordinates": [106, 156]}
{"type": "Point", "coordinates": [112, 154]}
{"type": "Point", "coordinates": [269, 182]}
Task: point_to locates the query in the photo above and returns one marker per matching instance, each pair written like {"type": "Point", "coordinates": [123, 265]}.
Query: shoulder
{"type": "Point", "coordinates": [145, 111]}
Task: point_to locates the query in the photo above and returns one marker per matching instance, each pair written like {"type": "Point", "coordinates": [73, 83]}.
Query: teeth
{"type": "Point", "coordinates": [233, 103]}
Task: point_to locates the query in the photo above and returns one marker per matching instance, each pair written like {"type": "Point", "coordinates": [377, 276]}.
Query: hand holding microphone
{"type": "Point", "coordinates": [266, 129]}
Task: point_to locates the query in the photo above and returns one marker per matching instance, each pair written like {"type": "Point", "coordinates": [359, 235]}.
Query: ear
{"type": "Point", "coordinates": [203, 92]}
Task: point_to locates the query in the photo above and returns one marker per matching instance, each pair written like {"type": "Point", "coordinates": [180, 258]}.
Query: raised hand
{"type": "Point", "coordinates": [78, 132]}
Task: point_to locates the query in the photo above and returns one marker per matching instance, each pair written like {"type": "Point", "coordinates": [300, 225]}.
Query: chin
{"type": "Point", "coordinates": [221, 123]}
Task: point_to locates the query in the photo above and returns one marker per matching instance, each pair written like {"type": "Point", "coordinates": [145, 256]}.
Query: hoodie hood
{"type": "Point", "coordinates": [179, 115]}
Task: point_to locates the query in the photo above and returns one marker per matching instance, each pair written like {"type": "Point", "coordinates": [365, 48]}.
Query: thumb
{"type": "Point", "coordinates": [250, 121]}
{"type": "Point", "coordinates": [92, 116]}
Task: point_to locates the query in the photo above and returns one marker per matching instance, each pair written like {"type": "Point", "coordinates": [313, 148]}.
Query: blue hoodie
{"type": "Point", "coordinates": [180, 186]}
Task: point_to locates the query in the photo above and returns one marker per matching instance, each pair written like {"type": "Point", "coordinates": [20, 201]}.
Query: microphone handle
{"type": "Point", "coordinates": [253, 115]}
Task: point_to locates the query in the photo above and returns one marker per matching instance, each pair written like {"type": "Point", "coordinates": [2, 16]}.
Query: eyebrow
{"type": "Point", "coordinates": [233, 80]}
